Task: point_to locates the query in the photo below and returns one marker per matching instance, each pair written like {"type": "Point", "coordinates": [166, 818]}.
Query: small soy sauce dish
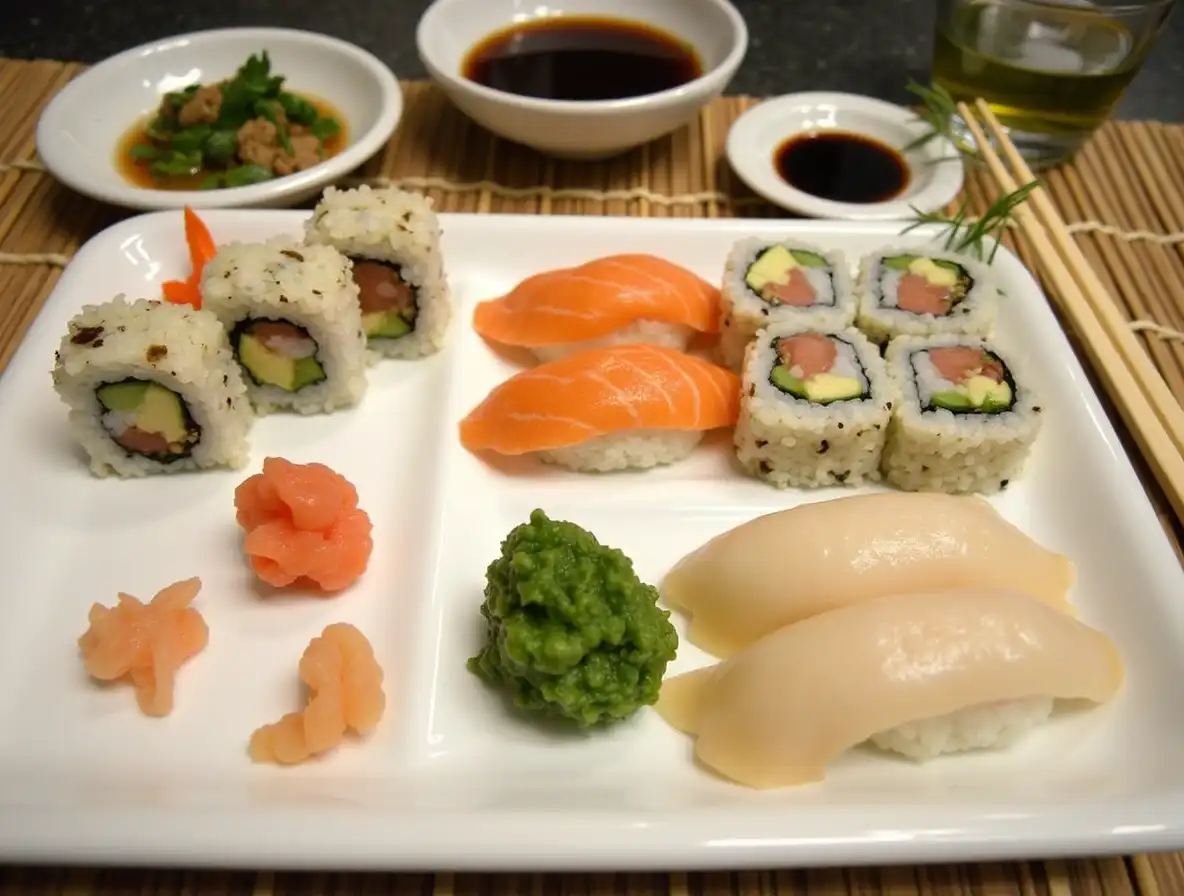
{"type": "Point", "coordinates": [842, 156]}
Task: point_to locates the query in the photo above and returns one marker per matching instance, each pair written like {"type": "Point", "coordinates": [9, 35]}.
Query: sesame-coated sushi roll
{"type": "Point", "coordinates": [291, 312]}
{"type": "Point", "coordinates": [903, 292]}
{"type": "Point", "coordinates": [780, 281]}
{"type": "Point", "coordinates": [393, 239]}
{"type": "Point", "coordinates": [814, 407]}
{"type": "Point", "coordinates": [966, 419]}
{"type": "Point", "coordinates": [152, 388]}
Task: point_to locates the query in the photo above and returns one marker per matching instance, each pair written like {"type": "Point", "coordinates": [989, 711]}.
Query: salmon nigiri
{"type": "Point", "coordinates": [615, 300]}
{"type": "Point", "coordinates": [606, 409]}
{"type": "Point", "coordinates": [916, 674]}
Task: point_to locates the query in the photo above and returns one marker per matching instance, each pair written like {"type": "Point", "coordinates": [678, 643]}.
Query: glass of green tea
{"type": "Point", "coordinates": [1051, 70]}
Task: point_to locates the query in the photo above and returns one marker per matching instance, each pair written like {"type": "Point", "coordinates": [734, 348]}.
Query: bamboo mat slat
{"type": "Point", "coordinates": [1123, 197]}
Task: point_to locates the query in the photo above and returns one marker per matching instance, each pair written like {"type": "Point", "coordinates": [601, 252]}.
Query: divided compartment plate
{"type": "Point", "coordinates": [453, 779]}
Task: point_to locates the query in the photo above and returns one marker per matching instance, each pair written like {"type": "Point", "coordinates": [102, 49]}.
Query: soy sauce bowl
{"type": "Point", "coordinates": [578, 129]}
{"type": "Point", "coordinates": [934, 171]}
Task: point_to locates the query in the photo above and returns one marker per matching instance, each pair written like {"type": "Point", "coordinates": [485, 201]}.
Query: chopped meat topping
{"type": "Point", "coordinates": [203, 107]}
{"type": "Point", "coordinates": [257, 142]}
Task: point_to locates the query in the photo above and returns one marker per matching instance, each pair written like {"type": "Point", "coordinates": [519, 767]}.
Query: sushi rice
{"type": "Point", "coordinates": [743, 312]}
{"type": "Point", "coordinates": [636, 449]}
{"type": "Point", "coordinates": [307, 287]}
{"type": "Point", "coordinates": [648, 332]}
{"type": "Point", "coordinates": [793, 441]}
{"type": "Point", "coordinates": [397, 229]}
{"type": "Point", "coordinates": [984, 727]}
{"type": "Point", "coordinates": [879, 316]}
{"type": "Point", "coordinates": [932, 448]}
{"type": "Point", "coordinates": [181, 349]}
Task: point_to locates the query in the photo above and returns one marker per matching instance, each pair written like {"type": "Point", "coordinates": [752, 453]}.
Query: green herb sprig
{"type": "Point", "coordinates": [940, 111]}
{"type": "Point", "coordinates": [968, 235]}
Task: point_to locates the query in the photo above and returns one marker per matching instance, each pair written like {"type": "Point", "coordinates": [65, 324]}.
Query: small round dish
{"type": "Point", "coordinates": [935, 172]}
{"type": "Point", "coordinates": [79, 132]}
{"type": "Point", "coordinates": [582, 129]}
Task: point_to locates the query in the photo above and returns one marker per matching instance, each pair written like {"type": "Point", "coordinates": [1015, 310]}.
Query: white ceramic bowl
{"type": "Point", "coordinates": [935, 171]}
{"type": "Point", "coordinates": [79, 131]}
{"type": "Point", "coordinates": [582, 130]}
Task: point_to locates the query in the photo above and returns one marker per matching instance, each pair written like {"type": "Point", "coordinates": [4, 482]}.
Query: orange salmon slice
{"type": "Point", "coordinates": [598, 298]}
{"type": "Point", "coordinates": [599, 391]}
{"type": "Point", "coordinates": [811, 353]}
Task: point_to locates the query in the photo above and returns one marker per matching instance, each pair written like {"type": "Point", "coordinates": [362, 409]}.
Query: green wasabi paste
{"type": "Point", "coordinates": [572, 632]}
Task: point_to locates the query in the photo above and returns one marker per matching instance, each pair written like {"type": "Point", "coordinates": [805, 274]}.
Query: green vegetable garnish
{"type": "Point", "coordinates": [177, 163]}
{"type": "Point", "coordinates": [940, 112]}
{"type": "Point", "coordinates": [220, 146]}
{"type": "Point", "coordinates": [210, 143]}
{"type": "Point", "coordinates": [965, 234]}
{"type": "Point", "coordinates": [324, 128]}
{"type": "Point", "coordinates": [572, 633]}
{"type": "Point", "coordinates": [245, 175]}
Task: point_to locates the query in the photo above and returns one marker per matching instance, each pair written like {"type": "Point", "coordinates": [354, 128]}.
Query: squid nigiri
{"type": "Point", "coordinates": [796, 563]}
{"type": "Point", "coordinates": [920, 675]}
{"type": "Point", "coordinates": [615, 300]}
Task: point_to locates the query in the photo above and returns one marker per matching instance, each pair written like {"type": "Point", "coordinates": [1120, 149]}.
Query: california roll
{"type": "Point", "coordinates": [966, 419]}
{"type": "Point", "coordinates": [292, 316]}
{"type": "Point", "coordinates": [393, 239]}
{"type": "Point", "coordinates": [814, 407]}
{"type": "Point", "coordinates": [152, 388]}
{"type": "Point", "coordinates": [903, 292]}
{"type": "Point", "coordinates": [784, 281]}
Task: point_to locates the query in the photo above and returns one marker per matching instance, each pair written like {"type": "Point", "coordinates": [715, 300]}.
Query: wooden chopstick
{"type": "Point", "coordinates": [1154, 416]}
{"type": "Point", "coordinates": [1169, 408]}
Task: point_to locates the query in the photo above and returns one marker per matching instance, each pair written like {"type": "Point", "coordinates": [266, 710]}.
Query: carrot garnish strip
{"type": "Point", "coordinates": [180, 292]}
{"type": "Point", "coordinates": [201, 249]}
{"type": "Point", "coordinates": [201, 244]}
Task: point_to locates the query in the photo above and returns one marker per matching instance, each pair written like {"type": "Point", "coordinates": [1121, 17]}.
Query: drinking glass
{"type": "Point", "coordinates": [1051, 70]}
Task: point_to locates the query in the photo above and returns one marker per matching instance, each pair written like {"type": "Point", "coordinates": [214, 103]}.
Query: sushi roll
{"type": "Point", "coordinates": [393, 239]}
{"type": "Point", "coordinates": [152, 388]}
{"type": "Point", "coordinates": [786, 281]}
{"type": "Point", "coordinates": [814, 407]}
{"type": "Point", "coordinates": [966, 418]}
{"type": "Point", "coordinates": [292, 315]}
{"type": "Point", "coordinates": [902, 292]}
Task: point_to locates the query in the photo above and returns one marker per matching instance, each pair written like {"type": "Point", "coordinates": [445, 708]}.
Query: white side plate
{"type": "Point", "coordinates": [78, 134]}
{"type": "Point", "coordinates": [452, 780]}
{"type": "Point", "coordinates": [935, 171]}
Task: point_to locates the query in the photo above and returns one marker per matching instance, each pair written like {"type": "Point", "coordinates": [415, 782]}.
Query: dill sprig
{"type": "Point", "coordinates": [967, 235]}
{"type": "Point", "coordinates": [940, 111]}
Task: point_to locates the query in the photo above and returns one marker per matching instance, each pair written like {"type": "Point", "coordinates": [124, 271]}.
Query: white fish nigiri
{"type": "Point", "coordinates": [796, 563]}
{"type": "Point", "coordinates": [920, 674]}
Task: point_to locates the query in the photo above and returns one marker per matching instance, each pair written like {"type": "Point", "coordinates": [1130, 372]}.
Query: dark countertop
{"type": "Point", "coordinates": [862, 46]}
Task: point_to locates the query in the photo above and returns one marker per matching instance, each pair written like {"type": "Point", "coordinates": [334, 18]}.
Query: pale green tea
{"type": "Point", "coordinates": [1046, 69]}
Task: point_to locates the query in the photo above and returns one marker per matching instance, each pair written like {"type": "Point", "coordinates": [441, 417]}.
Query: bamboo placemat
{"type": "Point", "coordinates": [1124, 197]}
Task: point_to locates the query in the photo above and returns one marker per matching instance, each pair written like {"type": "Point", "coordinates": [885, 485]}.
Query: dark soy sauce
{"type": "Point", "coordinates": [581, 58]}
{"type": "Point", "coordinates": [841, 167]}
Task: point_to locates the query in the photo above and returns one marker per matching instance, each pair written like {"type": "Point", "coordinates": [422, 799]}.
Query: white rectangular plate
{"type": "Point", "coordinates": [451, 780]}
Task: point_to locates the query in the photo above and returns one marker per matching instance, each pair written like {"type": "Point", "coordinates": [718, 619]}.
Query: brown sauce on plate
{"type": "Point", "coordinates": [581, 58]}
{"type": "Point", "coordinates": [841, 167]}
